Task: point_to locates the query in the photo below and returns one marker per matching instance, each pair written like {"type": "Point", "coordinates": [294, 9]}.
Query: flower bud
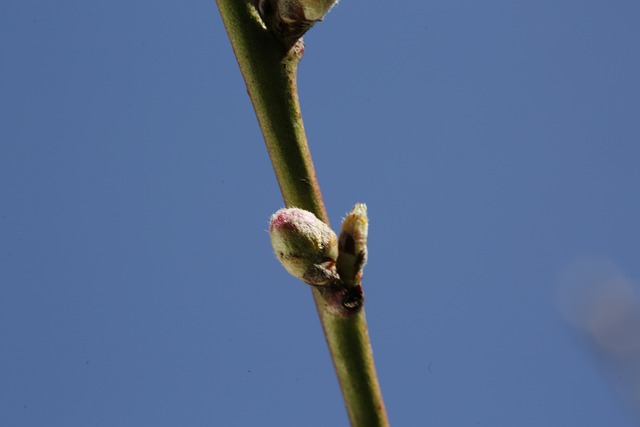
{"type": "Point", "coordinates": [290, 19]}
{"type": "Point", "coordinates": [352, 245]}
{"type": "Point", "coordinates": [306, 246]}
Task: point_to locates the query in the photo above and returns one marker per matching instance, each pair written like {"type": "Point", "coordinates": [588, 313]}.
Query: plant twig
{"type": "Point", "coordinates": [269, 71]}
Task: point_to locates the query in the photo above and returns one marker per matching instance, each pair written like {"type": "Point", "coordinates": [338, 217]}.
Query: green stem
{"type": "Point", "coordinates": [270, 73]}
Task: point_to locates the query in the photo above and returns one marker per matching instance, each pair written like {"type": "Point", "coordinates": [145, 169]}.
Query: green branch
{"type": "Point", "coordinates": [269, 72]}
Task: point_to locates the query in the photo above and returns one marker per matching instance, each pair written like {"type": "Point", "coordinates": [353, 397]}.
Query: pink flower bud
{"type": "Point", "coordinates": [306, 246]}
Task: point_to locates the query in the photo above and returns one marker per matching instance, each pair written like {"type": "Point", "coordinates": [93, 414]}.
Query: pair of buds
{"type": "Point", "coordinates": [310, 250]}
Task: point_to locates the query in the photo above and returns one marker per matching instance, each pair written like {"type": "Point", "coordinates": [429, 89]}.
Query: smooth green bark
{"type": "Point", "coordinates": [270, 72]}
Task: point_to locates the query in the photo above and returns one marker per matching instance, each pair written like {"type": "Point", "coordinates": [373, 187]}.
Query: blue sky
{"type": "Point", "coordinates": [495, 143]}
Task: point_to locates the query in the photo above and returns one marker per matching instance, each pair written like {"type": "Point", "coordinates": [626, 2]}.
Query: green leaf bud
{"type": "Point", "coordinates": [290, 19]}
{"type": "Point", "coordinates": [306, 246]}
{"type": "Point", "coordinates": [352, 245]}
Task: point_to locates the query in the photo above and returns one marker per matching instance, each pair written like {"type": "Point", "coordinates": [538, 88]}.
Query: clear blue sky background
{"type": "Point", "coordinates": [494, 142]}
